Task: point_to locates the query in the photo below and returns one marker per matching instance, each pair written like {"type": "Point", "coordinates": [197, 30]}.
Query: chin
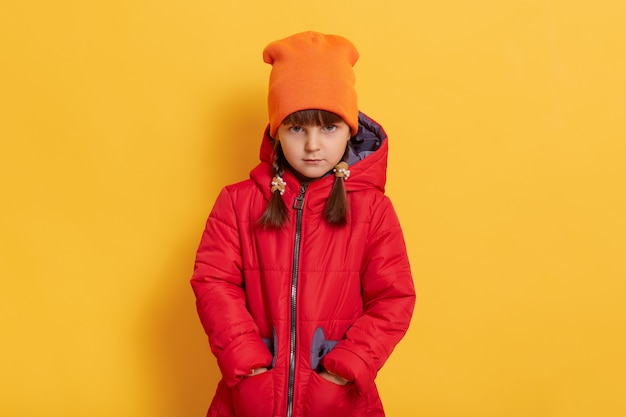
{"type": "Point", "coordinates": [313, 175]}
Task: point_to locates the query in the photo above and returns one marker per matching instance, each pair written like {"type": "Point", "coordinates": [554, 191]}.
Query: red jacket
{"type": "Point", "coordinates": [305, 296]}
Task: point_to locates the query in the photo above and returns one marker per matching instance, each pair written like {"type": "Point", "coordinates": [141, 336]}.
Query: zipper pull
{"type": "Point", "coordinates": [298, 203]}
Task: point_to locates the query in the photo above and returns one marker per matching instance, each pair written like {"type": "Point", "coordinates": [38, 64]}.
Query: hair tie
{"type": "Point", "coordinates": [278, 184]}
{"type": "Point", "coordinates": [341, 170]}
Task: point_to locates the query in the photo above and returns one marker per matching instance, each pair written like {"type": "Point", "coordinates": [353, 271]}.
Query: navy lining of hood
{"type": "Point", "coordinates": [367, 140]}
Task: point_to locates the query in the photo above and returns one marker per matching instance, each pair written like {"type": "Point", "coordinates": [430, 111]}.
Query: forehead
{"type": "Point", "coordinates": [312, 118]}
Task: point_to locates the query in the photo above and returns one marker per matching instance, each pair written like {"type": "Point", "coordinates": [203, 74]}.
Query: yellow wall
{"type": "Point", "coordinates": [121, 120]}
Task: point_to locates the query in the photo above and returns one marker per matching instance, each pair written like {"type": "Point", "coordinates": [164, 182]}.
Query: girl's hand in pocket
{"type": "Point", "coordinates": [256, 371]}
{"type": "Point", "coordinates": [335, 379]}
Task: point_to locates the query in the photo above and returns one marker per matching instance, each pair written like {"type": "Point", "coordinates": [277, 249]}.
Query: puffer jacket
{"type": "Point", "coordinates": [307, 296]}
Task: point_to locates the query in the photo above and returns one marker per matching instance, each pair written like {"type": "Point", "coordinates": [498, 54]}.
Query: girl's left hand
{"type": "Point", "coordinates": [335, 379]}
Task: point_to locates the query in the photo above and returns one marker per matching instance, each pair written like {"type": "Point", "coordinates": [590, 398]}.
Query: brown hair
{"type": "Point", "coordinates": [336, 209]}
{"type": "Point", "coordinates": [275, 213]}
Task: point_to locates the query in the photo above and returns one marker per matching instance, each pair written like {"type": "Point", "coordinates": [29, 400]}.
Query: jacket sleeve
{"type": "Point", "coordinates": [388, 298]}
{"type": "Point", "coordinates": [218, 286]}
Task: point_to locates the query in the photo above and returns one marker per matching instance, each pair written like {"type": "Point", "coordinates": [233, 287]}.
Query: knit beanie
{"type": "Point", "coordinates": [311, 70]}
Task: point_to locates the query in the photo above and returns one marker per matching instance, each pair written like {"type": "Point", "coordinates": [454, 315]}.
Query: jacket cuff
{"type": "Point", "coordinates": [241, 356]}
{"type": "Point", "coordinates": [350, 365]}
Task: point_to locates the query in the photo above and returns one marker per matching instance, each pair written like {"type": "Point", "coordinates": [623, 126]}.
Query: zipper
{"type": "Point", "coordinates": [298, 204]}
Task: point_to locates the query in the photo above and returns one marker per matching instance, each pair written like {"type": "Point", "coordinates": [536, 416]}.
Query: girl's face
{"type": "Point", "coordinates": [312, 150]}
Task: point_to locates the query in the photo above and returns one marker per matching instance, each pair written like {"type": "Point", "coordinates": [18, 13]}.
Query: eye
{"type": "Point", "coordinates": [295, 129]}
{"type": "Point", "coordinates": [330, 128]}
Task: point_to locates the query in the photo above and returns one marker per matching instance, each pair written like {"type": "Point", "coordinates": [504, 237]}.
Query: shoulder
{"type": "Point", "coordinates": [239, 202]}
{"type": "Point", "coordinates": [368, 203]}
{"type": "Point", "coordinates": [241, 187]}
{"type": "Point", "coordinates": [375, 208]}
{"type": "Point", "coordinates": [230, 196]}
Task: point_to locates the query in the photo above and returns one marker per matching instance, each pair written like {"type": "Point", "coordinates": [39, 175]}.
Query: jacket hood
{"type": "Point", "coordinates": [367, 159]}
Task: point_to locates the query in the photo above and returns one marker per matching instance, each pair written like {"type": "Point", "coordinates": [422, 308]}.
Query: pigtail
{"type": "Point", "coordinates": [336, 209]}
{"type": "Point", "coordinates": [276, 214]}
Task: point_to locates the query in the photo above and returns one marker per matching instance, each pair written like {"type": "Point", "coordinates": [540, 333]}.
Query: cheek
{"type": "Point", "coordinates": [339, 150]}
{"type": "Point", "coordinates": [289, 152]}
{"type": "Point", "coordinates": [287, 147]}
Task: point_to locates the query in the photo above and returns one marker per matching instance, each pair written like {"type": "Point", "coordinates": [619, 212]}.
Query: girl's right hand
{"type": "Point", "coordinates": [256, 371]}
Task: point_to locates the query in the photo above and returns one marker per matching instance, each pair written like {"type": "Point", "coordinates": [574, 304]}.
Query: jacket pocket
{"type": "Point", "coordinates": [320, 346]}
{"type": "Point", "coordinates": [325, 398]}
{"type": "Point", "coordinates": [253, 396]}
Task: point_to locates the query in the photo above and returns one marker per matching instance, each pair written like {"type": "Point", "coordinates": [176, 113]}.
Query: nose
{"type": "Point", "coordinates": [312, 142]}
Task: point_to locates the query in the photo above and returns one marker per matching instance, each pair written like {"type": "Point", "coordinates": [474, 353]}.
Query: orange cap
{"type": "Point", "coordinates": [311, 70]}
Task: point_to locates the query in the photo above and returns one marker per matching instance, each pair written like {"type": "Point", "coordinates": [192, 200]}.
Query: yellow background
{"type": "Point", "coordinates": [121, 120]}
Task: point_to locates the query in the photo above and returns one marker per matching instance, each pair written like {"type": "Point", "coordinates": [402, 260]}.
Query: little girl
{"type": "Point", "coordinates": [302, 279]}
